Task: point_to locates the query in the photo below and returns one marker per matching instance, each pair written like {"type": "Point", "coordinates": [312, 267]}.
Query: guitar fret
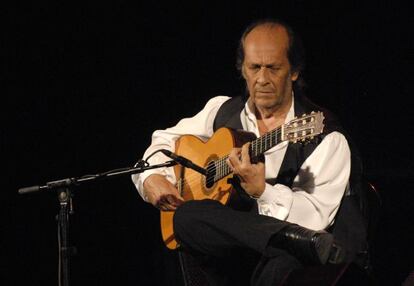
{"type": "Point", "coordinates": [262, 145]}
{"type": "Point", "coordinates": [267, 141]}
{"type": "Point", "coordinates": [256, 151]}
{"type": "Point", "coordinates": [271, 138]}
{"type": "Point", "coordinates": [253, 146]}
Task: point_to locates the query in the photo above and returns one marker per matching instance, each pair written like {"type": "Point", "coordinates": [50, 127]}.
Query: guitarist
{"type": "Point", "coordinates": [296, 192]}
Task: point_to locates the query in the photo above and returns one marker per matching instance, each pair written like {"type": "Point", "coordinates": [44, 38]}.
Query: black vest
{"type": "Point", "coordinates": [349, 228]}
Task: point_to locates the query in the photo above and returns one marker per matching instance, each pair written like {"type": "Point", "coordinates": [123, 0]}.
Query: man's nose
{"type": "Point", "coordinates": [263, 75]}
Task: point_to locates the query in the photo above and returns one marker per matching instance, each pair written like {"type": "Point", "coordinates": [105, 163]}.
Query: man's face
{"type": "Point", "coordinates": [266, 67]}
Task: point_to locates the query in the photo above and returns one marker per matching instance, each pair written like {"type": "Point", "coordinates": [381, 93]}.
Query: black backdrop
{"type": "Point", "coordinates": [86, 85]}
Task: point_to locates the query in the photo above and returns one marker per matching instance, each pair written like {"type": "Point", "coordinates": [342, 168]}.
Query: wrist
{"type": "Point", "coordinates": [256, 195]}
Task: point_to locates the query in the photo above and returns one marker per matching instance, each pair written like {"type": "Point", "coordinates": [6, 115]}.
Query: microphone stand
{"type": "Point", "coordinates": [63, 188]}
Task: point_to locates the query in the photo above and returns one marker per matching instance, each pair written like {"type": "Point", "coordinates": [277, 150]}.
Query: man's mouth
{"type": "Point", "coordinates": [264, 92]}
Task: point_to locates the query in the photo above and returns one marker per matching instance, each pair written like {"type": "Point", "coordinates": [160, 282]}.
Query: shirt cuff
{"type": "Point", "coordinates": [275, 201]}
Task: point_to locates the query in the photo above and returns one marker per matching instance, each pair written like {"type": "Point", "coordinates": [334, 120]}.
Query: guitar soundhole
{"type": "Point", "coordinates": [211, 173]}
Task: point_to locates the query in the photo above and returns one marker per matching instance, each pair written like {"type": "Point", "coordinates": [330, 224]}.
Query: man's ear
{"type": "Point", "coordinates": [294, 76]}
{"type": "Point", "coordinates": [243, 71]}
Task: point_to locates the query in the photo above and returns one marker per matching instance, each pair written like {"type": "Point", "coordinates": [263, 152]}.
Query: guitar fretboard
{"type": "Point", "coordinates": [257, 147]}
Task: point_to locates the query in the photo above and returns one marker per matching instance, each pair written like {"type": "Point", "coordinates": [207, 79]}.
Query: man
{"type": "Point", "coordinates": [296, 196]}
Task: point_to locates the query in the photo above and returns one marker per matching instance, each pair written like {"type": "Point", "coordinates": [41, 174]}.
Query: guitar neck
{"type": "Point", "coordinates": [257, 148]}
{"type": "Point", "coordinates": [265, 142]}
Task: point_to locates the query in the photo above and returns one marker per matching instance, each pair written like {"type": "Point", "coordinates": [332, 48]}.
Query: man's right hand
{"type": "Point", "coordinates": [161, 193]}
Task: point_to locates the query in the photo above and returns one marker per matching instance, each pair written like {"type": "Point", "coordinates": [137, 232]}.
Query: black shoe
{"type": "Point", "coordinates": [309, 246]}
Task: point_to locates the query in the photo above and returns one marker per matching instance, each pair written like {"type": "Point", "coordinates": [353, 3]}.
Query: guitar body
{"type": "Point", "coordinates": [195, 186]}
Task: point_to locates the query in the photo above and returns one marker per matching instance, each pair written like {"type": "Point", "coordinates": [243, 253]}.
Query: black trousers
{"type": "Point", "coordinates": [232, 247]}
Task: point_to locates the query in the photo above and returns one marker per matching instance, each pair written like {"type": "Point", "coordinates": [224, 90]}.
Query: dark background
{"type": "Point", "coordinates": [86, 85]}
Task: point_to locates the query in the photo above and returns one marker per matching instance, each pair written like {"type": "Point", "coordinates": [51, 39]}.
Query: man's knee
{"type": "Point", "coordinates": [190, 215]}
{"type": "Point", "coordinates": [183, 215]}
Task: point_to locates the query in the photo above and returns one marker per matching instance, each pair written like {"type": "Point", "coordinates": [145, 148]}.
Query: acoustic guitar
{"type": "Point", "coordinates": [213, 153]}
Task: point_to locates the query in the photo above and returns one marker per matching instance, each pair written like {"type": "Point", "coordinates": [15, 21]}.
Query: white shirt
{"type": "Point", "coordinates": [317, 189]}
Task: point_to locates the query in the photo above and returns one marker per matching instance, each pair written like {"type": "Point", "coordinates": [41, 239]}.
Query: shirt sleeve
{"type": "Point", "coordinates": [317, 189]}
{"type": "Point", "coordinates": [200, 125]}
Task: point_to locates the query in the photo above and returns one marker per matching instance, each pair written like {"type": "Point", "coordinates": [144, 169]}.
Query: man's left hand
{"type": "Point", "coordinates": [252, 176]}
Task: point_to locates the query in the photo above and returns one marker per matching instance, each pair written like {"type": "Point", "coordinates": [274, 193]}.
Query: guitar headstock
{"type": "Point", "coordinates": [304, 128]}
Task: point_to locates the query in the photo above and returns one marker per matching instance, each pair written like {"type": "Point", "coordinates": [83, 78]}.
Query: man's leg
{"type": "Point", "coordinates": [208, 227]}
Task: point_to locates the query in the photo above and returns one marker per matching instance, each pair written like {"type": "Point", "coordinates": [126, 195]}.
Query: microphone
{"type": "Point", "coordinates": [184, 161]}
{"type": "Point", "coordinates": [31, 189]}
